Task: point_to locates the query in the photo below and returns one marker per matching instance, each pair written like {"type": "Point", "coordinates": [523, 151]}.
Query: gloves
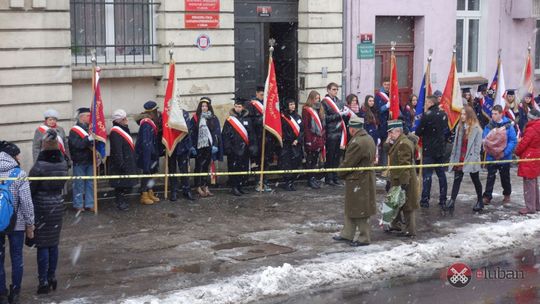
{"type": "Point", "coordinates": [404, 187]}
{"type": "Point", "coordinates": [214, 149]}
{"type": "Point", "coordinates": [193, 151]}
{"type": "Point", "coordinates": [90, 137]}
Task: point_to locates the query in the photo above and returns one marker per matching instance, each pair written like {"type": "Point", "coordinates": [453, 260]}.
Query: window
{"type": "Point", "coordinates": [537, 49]}
{"type": "Point", "coordinates": [120, 31]}
{"type": "Point", "coordinates": [468, 30]}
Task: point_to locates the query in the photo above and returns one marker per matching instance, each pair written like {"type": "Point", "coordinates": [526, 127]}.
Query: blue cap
{"type": "Point", "coordinates": [437, 93]}
{"type": "Point", "coordinates": [150, 106]}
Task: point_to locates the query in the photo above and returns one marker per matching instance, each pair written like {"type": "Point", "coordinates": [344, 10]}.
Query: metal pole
{"type": "Point", "coordinates": [171, 52]}
{"type": "Point", "coordinates": [271, 42]}
{"type": "Point", "coordinates": [94, 154]}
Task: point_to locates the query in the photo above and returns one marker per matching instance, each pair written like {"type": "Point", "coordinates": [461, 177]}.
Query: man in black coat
{"type": "Point", "coordinates": [293, 135]}
{"type": "Point", "coordinates": [433, 129]}
{"type": "Point", "coordinates": [335, 135]}
{"type": "Point", "coordinates": [179, 162]}
{"type": "Point", "coordinates": [121, 158]}
{"type": "Point", "coordinates": [239, 142]}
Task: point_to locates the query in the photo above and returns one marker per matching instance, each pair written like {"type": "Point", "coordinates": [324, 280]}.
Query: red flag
{"type": "Point", "coordinates": [98, 119]}
{"type": "Point", "coordinates": [527, 84]}
{"type": "Point", "coordinates": [272, 115]}
{"type": "Point", "coordinates": [174, 125]}
{"type": "Point", "coordinates": [451, 101]}
{"type": "Point", "coordinates": [394, 89]}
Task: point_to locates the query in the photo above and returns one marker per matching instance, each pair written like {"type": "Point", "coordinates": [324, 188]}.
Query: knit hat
{"type": "Point", "coordinates": [393, 124]}
{"type": "Point", "coordinates": [50, 140]}
{"type": "Point", "coordinates": [119, 114]}
{"type": "Point", "coordinates": [51, 113]}
{"type": "Point", "coordinates": [10, 148]}
{"type": "Point", "coordinates": [533, 114]}
{"type": "Point", "coordinates": [356, 122]}
{"type": "Point", "coordinates": [150, 106]}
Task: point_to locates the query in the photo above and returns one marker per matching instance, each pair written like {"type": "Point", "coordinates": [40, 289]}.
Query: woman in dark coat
{"type": "Point", "coordinates": [370, 113]}
{"type": "Point", "coordinates": [314, 134]}
{"type": "Point", "coordinates": [206, 138]}
{"type": "Point", "coordinates": [48, 209]}
{"type": "Point", "coordinates": [122, 158]}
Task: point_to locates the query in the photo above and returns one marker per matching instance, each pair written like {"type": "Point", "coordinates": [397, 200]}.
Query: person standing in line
{"type": "Point", "coordinates": [524, 107]}
{"type": "Point", "coordinates": [313, 122]}
{"type": "Point", "coordinates": [179, 162]}
{"type": "Point", "coordinates": [336, 133]}
{"type": "Point", "coordinates": [51, 120]}
{"type": "Point", "coordinates": [293, 136]}
{"type": "Point", "coordinates": [122, 159]}
{"type": "Point", "coordinates": [48, 209]}
{"type": "Point", "coordinates": [529, 148]}
{"type": "Point", "coordinates": [466, 148]}
{"type": "Point", "coordinates": [370, 113]}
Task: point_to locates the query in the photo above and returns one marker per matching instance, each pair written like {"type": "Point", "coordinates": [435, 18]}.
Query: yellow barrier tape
{"type": "Point", "coordinates": [270, 172]}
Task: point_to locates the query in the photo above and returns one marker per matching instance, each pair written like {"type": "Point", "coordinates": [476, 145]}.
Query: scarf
{"type": "Point", "coordinates": [355, 108]}
{"type": "Point", "coordinates": [205, 137]}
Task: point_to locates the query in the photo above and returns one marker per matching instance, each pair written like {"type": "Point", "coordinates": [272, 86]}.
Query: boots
{"type": "Point", "coordinates": [236, 192]}
{"type": "Point", "coordinates": [145, 199]}
{"type": "Point", "coordinates": [188, 195]}
{"type": "Point", "coordinates": [13, 297]}
{"type": "Point", "coordinates": [4, 299]}
{"type": "Point", "coordinates": [52, 283]}
{"type": "Point", "coordinates": [201, 192]}
{"type": "Point", "coordinates": [174, 196]}
{"type": "Point", "coordinates": [121, 203]}
{"type": "Point", "coordinates": [506, 200]}
{"type": "Point", "coordinates": [208, 193]}
{"type": "Point", "coordinates": [450, 204]}
{"type": "Point", "coordinates": [152, 196]}
{"type": "Point", "coordinates": [312, 183]}
{"type": "Point", "coordinates": [43, 288]}
{"type": "Point", "coordinates": [479, 205]}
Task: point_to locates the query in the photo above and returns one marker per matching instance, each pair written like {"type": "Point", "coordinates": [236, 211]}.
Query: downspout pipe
{"type": "Point", "coordinates": [344, 45]}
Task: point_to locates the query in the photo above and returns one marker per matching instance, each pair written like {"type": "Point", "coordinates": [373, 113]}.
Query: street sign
{"type": "Point", "coordinates": [202, 5]}
{"type": "Point", "coordinates": [203, 42]}
{"type": "Point", "coordinates": [264, 11]}
{"type": "Point", "coordinates": [366, 38]}
{"type": "Point", "coordinates": [365, 51]}
{"type": "Point", "coordinates": [198, 21]}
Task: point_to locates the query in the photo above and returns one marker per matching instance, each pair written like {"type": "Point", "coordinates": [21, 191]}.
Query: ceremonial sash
{"type": "Point", "coordinates": [43, 130]}
{"type": "Point", "coordinates": [383, 96]}
{"type": "Point", "coordinates": [124, 135]}
{"type": "Point", "coordinates": [293, 124]}
{"type": "Point", "coordinates": [343, 141]}
{"type": "Point", "coordinates": [151, 123]}
{"type": "Point", "coordinates": [80, 131]}
{"type": "Point", "coordinates": [257, 105]}
{"type": "Point", "coordinates": [239, 128]}
{"type": "Point", "coordinates": [315, 116]}
{"type": "Point", "coordinates": [195, 119]}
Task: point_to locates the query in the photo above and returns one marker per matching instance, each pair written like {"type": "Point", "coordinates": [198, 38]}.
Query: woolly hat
{"type": "Point", "coordinates": [50, 140]}
{"type": "Point", "coordinates": [119, 114]}
{"type": "Point", "coordinates": [51, 113]}
{"type": "Point", "coordinates": [10, 148]}
{"type": "Point", "coordinates": [533, 114]}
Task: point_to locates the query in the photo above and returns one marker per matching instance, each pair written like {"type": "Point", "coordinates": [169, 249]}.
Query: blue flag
{"type": "Point", "coordinates": [420, 103]}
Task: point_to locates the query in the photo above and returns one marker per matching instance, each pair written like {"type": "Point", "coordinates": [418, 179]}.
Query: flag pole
{"type": "Point", "coordinates": [166, 190]}
{"type": "Point", "coordinates": [392, 49]}
{"type": "Point", "coordinates": [94, 154]}
{"type": "Point", "coordinates": [271, 42]}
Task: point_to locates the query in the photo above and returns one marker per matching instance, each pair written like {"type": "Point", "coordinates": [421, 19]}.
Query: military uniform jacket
{"type": "Point", "coordinates": [401, 153]}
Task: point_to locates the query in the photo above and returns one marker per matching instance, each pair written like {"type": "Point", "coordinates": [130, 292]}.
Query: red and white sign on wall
{"type": "Point", "coordinates": [199, 21]}
{"type": "Point", "coordinates": [202, 5]}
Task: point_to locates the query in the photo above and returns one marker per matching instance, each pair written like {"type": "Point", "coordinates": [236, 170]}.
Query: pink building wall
{"type": "Point", "coordinates": [435, 27]}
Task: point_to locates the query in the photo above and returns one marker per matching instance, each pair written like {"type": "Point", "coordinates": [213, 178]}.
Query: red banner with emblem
{"type": "Point", "coordinates": [394, 88]}
{"type": "Point", "coordinates": [272, 115]}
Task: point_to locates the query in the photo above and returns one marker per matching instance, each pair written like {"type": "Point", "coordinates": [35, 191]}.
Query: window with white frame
{"type": "Point", "coordinates": [537, 49]}
{"type": "Point", "coordinates": [118, 31]}
{"type": "Point", "coordinates": [468, 29]}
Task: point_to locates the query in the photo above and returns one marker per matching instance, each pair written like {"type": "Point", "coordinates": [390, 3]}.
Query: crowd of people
{"type": "Point", "coordinates": [327, 133]}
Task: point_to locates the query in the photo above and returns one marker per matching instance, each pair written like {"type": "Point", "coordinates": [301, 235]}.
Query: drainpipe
{"type": "Point", "coordinates": [345, 44]}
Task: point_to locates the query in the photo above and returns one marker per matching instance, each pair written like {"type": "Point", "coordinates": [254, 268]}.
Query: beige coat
{"type": "Point", "coordinates": [401, 154]}
{"type": "Point", "coordinates": [359, 185]}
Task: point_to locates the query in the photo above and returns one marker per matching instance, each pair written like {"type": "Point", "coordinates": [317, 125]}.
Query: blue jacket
{"type": "Point", "coordinates": [511, 138]}
{"type": "Point", "coordinates": [384, 113]}
{"type": "Point", "coordinates": [147, 147]}
{"type": "Point", "coordinates": [371, 128]}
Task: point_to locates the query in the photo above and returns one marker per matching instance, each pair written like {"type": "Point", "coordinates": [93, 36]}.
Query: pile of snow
{"type": "Point", "coordinates": [467, 244]}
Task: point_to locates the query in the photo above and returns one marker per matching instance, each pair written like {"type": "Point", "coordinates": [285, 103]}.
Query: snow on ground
{"type": "Point", "coordinates": [380, 261]}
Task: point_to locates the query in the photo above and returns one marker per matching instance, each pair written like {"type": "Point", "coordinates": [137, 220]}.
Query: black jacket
{"type": "Point", "coordinates": [79, 147]}
{"type": "Point", "coordinates": [215, 131]}
{"type": "Point", "coordinates": [289, 136]}
{"type": "Point", "coordinates": [433, 129]}
{"type": "Point", "coordinates": [233, 144]}
{"type": "Point", "coordinates": [47, 197]}
{"type": "Point", "coordinates": [333, 119]}
{"type": "Point", "coordinates": [121, 159]}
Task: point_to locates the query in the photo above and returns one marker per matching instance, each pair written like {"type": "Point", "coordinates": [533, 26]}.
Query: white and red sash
{"type": "Point", "coordinates": [257, 105]}
{"type": "Point", "coordinates": [239, 128]}
{"type": "Point", "coordinates": [316, 117]}
{"type": "Point", "coordinates": [151, 123]}
{"type": "Point", "coordinates": [43, 130]}
{"type": "Point", "coordinates": [332, 104]}
{"type": "Point", "coordinates": [293, 124]}
{"type": "Point", "coordinates": [124, 135]}
{"type": "Point", "coordinates": [80, 131]}
{"type": "Point", "coordinates": [383, 96]}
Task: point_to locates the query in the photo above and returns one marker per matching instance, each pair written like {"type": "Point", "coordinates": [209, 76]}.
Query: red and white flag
{"type": "Point", "coordinates": [451, 101]}
{"type": "Point", "coordinates": [527, 83]}
{"type": "Point", "coordinates": [394, 88]}
{"type": "Point", "coordinates": [174, 125]}
{"type": "Point", "coordinates": [272, 115]}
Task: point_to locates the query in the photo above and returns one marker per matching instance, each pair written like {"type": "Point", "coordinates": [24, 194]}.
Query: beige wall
{"type": "Point", "coordinates": [36, 71]}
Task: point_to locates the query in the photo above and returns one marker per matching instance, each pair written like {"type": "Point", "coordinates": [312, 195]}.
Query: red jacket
{"type": "Point", "coordinates": [312, 142]}
{"type": "Point", "coordinates": [529, 147]}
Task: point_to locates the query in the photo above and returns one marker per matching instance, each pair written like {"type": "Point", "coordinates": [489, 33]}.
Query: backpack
{"type": "Point", "coordinates": [8, 218]}
{"type": "Point", "coordinates": [495, 142]}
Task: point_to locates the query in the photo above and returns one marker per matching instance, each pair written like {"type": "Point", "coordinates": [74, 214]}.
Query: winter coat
{"type": "Point", "coordinates": [312, 141]}
{"type": "Point", "coordinates": [511, 138]}
{"type": "Point", "coordinates": [474, 145]}
{"type": "Point", "coordinates": [233, 144]}
{"type": "Point", "coordinates": [359, 185]}
{"type": "Point", "coordinates": [432, 129]}
{"type": "Point", "coordinates": [401, 153]}
{"type": "Point", "coordinates": [384, 112]}
{"type": "Point", "coordinates": [20, 189]}
{"type": "Point", "coordinates": [529, 147]}
{"type": "Point", "coordinates": [47, 197]}
{"type": "Point", "coordinates": [483, 119]}
{"type": "Point", "coordinates": [122, 158]}
{"type": "Point", "coordinates": [523, 119]}
{"type": "Point", "coordinates": [289, 136]}
{"type": "Point", "coordinates": [80, 146]}
{"type": "Point", "coordinates": [372, 128]}
{"type": "Point", "coordinates": [215, 130]}
{"type": "Point", "coordinates": [38, 138]}
{"type": "Point", "coordinates": [332, 119]}
{"type": "Point", "coordinates": [407, 118]}
{"type": "Point", "coordinates": [184, 146]}
{"type": "Point", "coordinates": [147, 148]}
{"type": "Point", "coordinates": [256, 118]}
